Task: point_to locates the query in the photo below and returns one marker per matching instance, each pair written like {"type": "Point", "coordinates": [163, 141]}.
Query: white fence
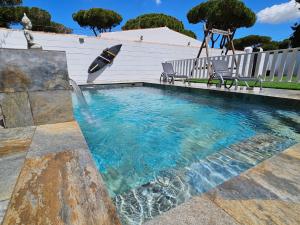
{"type": "Point", "coordinates": [279, 65]}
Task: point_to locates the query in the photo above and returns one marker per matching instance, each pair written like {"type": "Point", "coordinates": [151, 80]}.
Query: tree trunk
{"type": "Point", "coordinates": [93, 29]}
{"type": "Point", "coordinates": [232, 37]}
{"type": "Point", "coordinates": [212, 41]}
{"type": "Point", "coordinates": [223, 42]}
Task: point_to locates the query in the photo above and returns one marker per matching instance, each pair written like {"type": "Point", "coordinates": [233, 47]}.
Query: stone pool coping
{"type": "Point", "coordinates": [51, 178]}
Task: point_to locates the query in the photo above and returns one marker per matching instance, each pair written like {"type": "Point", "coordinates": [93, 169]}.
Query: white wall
{"type": "Point", "coordinates": [162, 35]}
{"type": "Point", "coordinates": [136, 61]}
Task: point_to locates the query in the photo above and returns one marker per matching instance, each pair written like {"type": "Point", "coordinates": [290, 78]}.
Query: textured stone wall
{"type": "Point", "coordinates": [34, 87]}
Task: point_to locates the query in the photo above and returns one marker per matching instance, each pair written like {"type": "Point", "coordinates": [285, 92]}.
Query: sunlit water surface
{"type": "Point", "coordinates": [135, 134]}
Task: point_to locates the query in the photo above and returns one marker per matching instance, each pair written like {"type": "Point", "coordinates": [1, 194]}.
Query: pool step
{"type": "Point", "coordinates": [173, 187]}
{"type": "Point", "coordinates": [230, 162]}
{"type": "Point", "coordinates": [167, 190]}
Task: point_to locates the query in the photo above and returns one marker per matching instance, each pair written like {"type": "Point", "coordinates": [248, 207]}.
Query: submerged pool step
{"type": "Point", "coordinates": [166, 191]}
{"type": "Point", "coordinates": [230, 162]}
{"type": "Point", "coordinates": [173, 187]}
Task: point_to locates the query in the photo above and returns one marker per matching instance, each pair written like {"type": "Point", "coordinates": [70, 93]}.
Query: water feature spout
{"type": "Point", "coordinates": [84, 109]}
{"type": "Point", "coordinates": [78, 92]}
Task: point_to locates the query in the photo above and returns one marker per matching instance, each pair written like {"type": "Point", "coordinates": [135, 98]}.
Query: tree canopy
{"type": "Point", "coordinates": [7, 13]}
{"type": "Point", "coordinates": [10, 2]}
{"type": "Point", "coordinates": [222, 14]}
{"type": "Point", "coordinates": [189, 33]}
{"type": "Point", "coordinates": [251, 40]}
{"type": "Point", "coordinates": [154, 20]}
{"type": "Point", "coordinates": [58, 28]}
{"type": "Point", "coordinates": [11, 14]}
{"type": "Point", "coordinates": [295, 38]}
{"type": "Point", "coordinates": [39, 18]}
{"type": "Point", "coordinates": [264, 42]}
{"type": "Point", "coordinates": [286, 43]}
{"type": "Point", "coordinates": [97, 19]}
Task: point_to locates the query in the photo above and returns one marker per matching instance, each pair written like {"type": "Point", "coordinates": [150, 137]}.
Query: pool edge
{"type": "Point", "coordinates": [59, 182]}
{"type": "Point", "coordinates": [267, 94]}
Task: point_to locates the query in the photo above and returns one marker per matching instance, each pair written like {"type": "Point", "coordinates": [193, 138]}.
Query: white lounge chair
{"type": "Point", "coordinates": [169, 75]}
{"type": "Point", "coordinates": [222, 73]}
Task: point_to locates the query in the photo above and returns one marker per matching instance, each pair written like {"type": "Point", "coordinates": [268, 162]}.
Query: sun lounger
{"type": "Point", "coordinates": [169, 75]}
{"type": "Point", "coordinates": [222, 73]}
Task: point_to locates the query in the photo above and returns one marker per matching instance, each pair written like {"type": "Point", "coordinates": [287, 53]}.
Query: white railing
{"type": "Point", "coordinates": [279, 65]}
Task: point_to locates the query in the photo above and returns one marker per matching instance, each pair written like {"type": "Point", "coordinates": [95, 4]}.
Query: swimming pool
{"type": "Point", "coordinates": [156, 148]}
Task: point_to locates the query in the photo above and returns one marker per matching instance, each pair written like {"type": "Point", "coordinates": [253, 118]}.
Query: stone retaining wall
{"type": "Point", "coordinates": [34, 87]}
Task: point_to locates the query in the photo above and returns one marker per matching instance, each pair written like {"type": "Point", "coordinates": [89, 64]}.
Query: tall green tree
{"type": "Point", "coordinates": [154, 20]}
{"type": "Point", "coordinates": [295, 38]}
{"type": "Point", "coordinates": [264, 42]}
{"type": "Point", "coordinates": [222, 14]}
{"type": "Point", "coordinates": [40, 19]}
{"type": "Point", "coordinates": [58, 28]}
{"type": "Point", "coordinates": [7, 13]}
{"type": "Point", "coordinates": [189, 33]}
{"type": "Point", "coordinates": [7, 16]}
{"type": "Point", "coordinates": [97, 19]}
{"type": "Point", "coordinates": [286, 43]}
{"type": "Point", "coordinates": [251, 40]}
{"type": "Point", "coordinates": [11, 13]}
{"type": "Point", "coordinates": [6, 3]}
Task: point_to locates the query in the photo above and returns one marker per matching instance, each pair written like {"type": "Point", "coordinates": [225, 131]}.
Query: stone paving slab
{"type": "Point", "coordinates": [14, 144]}
{"type": "Point", "coordinates": [16, 109]}
{"type": "Point", "coordinates": [31, 70]}
{"type": "Point", "coordinates": [259, 212]}
{"type": "Point", "coordinates": [199, 210]}
{"type": "Point", "coordinates": [10, 168]}
{"type": "Point", "coordinates": [51, 106]}
{"type": "Point", "coordinates": [282, 181]}
{"type": "Point", "coordinates": [15, 140]}
{"type": "Point", "coordinates": [60, 184]}
{"type": "Point", "coordinates": [16, 133]}
{"type": "Point", "coordinates": [3, 206]}
{"type": "Point", "coordinates": [54, 138]}
{"type": "Point", "coordinates": [267, 194]}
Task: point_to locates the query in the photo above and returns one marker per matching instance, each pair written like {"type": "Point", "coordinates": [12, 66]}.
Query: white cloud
{"type": "Point", "coordinates": [158, 2]}
{"type": "Point", "coordinates": [280, 13]}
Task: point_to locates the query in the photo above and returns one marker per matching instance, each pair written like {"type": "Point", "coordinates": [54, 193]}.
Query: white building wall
{"type": "Point", "coordinates": [136, 61]}
{"type": "Point", "coordinates": [162, 35]}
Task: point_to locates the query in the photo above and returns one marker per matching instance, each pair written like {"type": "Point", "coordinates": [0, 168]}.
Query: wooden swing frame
{"type": "Point", "coordinates": [228, 41]}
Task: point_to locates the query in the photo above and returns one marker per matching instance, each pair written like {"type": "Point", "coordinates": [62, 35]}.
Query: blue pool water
{"type": "Point", "coordinates": [152, 144]}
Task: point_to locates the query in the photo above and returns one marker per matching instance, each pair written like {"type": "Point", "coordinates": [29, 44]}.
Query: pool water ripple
{"type": "Point", "coordinates": [157, 148]}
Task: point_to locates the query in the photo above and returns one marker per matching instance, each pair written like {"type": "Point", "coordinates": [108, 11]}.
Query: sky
{"type": "Point", "coordinates": [275, 17]}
